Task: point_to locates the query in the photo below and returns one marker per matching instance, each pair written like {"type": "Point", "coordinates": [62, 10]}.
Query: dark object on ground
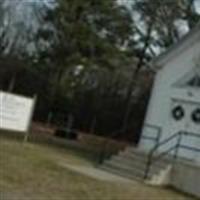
{"type": "Point", "coordinates": [66, 133]}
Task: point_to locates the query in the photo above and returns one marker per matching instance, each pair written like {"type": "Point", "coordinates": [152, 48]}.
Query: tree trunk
{"type": "Point", "coordinates": [134, 79]}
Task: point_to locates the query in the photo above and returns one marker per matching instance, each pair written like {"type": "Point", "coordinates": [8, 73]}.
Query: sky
{"type": "Point", "coordinates": [19, 19]}
{"type": "Point", "coordinates": [198, 5]}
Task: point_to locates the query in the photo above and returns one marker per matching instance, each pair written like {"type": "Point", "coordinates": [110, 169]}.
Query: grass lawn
{"type": "Point", "coordinates": [32, 172]}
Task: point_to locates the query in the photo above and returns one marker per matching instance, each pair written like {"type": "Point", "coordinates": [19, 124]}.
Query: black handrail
{"type": "Point", "coordinates": [190, 148]}
{"type": "Point", "coordinates": [166, 140]}
{"type": "Point", "coordinates": [159, 132]}
{"type": "Point", "coordinates": [196, 135]}
{"type": "Point", "coordinates": [151, 160]}
{"type": "Point", "coordinates": [154, 149]}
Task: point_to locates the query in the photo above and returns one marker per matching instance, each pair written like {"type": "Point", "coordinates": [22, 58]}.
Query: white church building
{"type": "Point", "coordinates": [174, 107]}
{"type": "Point", "coordinates": [168, 152]}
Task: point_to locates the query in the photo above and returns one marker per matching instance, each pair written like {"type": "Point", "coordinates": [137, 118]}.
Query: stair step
{"type": "Point", "coordinates": [131, 163]}
{"type": "Point", "coordinates": [135, 158]}
{"type": "Point", "coordinates": [121, 166]}
{"type": "Point", "coordinates": [137, 164]}
{"type": "Point", "coordinates": [136, 151]}
{"type": "Point", "coordinates": [134, 154]}
{"type": "Point", "coordinates": [120, 173]}
{"type": "Point", "coordinates": [132, 157]}
{"type": "Point", "coordinates": [130, 151]}
{"type": "Point", "coordinates": [125, 169]}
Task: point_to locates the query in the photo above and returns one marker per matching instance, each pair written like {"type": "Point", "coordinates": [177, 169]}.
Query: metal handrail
{"type": "Point", "coordinates": [151, 160]}
{"type": "Point", "coordinates": [197, 135]}
{"type": "Point", "coordinates": [103, 152]}
{"type": "Point", "coordinates": [159, 131]}
{"type": "Point", "coordinates": [166, 141]}
{"type": "Point", "coordinates": [153, 150]}
{"type": "Point", "coordinates": [190, 148]}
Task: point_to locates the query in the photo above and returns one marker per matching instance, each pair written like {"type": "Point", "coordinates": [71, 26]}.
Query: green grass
{"type": "Point", "coordinates": [32, 172]}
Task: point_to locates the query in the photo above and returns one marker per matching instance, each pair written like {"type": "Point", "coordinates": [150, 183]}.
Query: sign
{"type": "Point", "coordinates": [15, 112]}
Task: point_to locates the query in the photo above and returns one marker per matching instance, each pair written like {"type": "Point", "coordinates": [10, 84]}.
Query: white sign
{"type": "Point", "coordinates": [15, 112]}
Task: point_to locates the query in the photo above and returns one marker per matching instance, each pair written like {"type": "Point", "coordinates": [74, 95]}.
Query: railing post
{"type": "Point", "coordinates": [158, 138]}
{"type": "Point", "coordinates": [149, 162]}
{"type": "Point", "coordinates": [151, 153]}
{"type": "Point", "coordinates": [146, 173]}
{"type": "Point", "coordinates": [178, 145]}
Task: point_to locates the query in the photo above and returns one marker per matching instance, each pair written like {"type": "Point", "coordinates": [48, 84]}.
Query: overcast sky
{"type": "Point", "coordinates": [20, 13]}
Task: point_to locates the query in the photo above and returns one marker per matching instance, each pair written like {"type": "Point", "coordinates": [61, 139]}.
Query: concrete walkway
{"type": "Point", "coordinates": [96, 173]}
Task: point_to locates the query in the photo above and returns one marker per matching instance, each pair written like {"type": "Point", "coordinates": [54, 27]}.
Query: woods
{"type": "Point", "coordinates": [89, 60]}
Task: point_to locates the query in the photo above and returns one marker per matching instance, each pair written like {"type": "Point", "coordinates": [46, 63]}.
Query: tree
{"type": "Point", "coordinates": [20, 43]}
{"type": "Point", "coordinates": [167, 18]}
{"type": "Point", "coordinates": [20, 22]}
{"type": "Point", "coordinates": [92, 33]}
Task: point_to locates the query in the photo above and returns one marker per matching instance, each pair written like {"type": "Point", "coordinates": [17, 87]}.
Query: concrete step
{"type": "Point", "coordinates": [132, 156]}
{"type": "Point", "coordinates": [136, 151]}
{"type": "Point", "coordinates": [137, 163]}
{"type": "Point", "coordinates": [132, 152]}
{"type": "Point", "coordinates": [134, 168]}
{"type": "Point", "coordinates": [136, 172]}
{"type": "Point", "coordinates": [131, 164]}
{"type": "Point", "coordinates": [141, 159]}
{"type": "Point", "coordinates": [120, 173]}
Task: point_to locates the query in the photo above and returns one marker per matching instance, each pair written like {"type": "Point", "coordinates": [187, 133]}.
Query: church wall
{"type": "Point", "coordinates": [159, 109]}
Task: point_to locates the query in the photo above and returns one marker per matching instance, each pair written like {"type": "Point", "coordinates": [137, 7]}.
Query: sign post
{"type": "Point", "coordinates": [27, 133]}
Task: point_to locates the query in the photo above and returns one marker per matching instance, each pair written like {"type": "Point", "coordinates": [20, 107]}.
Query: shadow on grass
{"type": "Point", "coordinates": [73, 147]}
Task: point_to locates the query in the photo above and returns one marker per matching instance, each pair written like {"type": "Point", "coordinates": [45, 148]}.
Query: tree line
{"type": "Point", "coordinates": [89, 59]}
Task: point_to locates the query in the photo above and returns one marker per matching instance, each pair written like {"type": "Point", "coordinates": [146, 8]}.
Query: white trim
{"type": "Point", "coordinates": [183, 81]}
{"type": "Point", "coordinates": [178, 48]}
